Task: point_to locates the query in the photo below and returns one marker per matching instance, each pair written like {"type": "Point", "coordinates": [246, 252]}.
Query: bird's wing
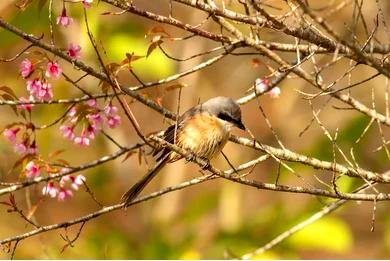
{"type": "Point", "coordinates": [171, 131]}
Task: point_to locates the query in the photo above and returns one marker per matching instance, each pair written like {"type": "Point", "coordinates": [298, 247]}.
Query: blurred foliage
{"type": "Point", "coordinates": [194, 231]}
{"type": "Point", "coordinates": [156, 65]}
{"type": "Point", "coordinates": [328, 233]}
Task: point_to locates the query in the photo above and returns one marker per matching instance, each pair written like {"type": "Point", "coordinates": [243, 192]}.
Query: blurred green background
{"type": "Point", "coordinates": [216, 219]}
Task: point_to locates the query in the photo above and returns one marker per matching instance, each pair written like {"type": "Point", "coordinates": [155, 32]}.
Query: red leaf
{"type": "Point", "coordinates": [105, 87]}
{"type": "Point", "coordinates": [113, 67]}
{"type": "Point", "coordinates": [139, 156]}
{"type": "Point", "coordinates": [5, 203]}
{"type": "Point", "coordinates": [176, 86]}
{"type": "Point", "coordinates": [128, 155]}
{"type": "Point", "coordinates": [21, 161]}
{"type": "Point", "coordinates": [153, 46]}
{"type": "Point", "coordinates": [256, 63]}
{"type": "Point", "coordinates": [55, 153]}
{"type": "Point", "coordinates": [62, 162]}
{"type": "Point", "coordinates": [8, 90]}
{"type": "Point", "coordinates": [131, 58]}
{"type": "Point", "coordinates": [31, 211]}
{"type": "Point", "coordinates": [159, 100]}
{"type": "Point", "coordinates": [23, 4]}
{"type": "Point", "coordinates": [158, 29]}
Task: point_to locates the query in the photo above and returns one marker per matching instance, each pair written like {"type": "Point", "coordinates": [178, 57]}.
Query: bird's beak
{"type": "Point", "coordinates": [240, 125]}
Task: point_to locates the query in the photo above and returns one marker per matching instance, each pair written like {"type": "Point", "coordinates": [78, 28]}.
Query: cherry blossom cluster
{"type": "Point", "coordinates": [38, 86]}
{"type": "Point", "coordinates": [90, 118]}
{"type": "Point", "coordinates": [37, 83]}
{"type": "Point", "coordinates": [63, 190]}
{"type": "Point", "coordinates": [39, 74]}
{"type": "Point", "coordinates": [261, 86]}
{"type": "Point", "coordinates": [22, 145]}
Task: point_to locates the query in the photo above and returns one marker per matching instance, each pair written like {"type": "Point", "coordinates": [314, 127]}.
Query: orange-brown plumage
{"type": "Point", "coordinates": [202, 130]}
{"type": "Point", "coordinates": [205, 128]}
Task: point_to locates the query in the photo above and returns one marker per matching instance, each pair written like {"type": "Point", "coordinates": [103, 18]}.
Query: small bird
{"type": "Point", "coordinates": [202, 130]}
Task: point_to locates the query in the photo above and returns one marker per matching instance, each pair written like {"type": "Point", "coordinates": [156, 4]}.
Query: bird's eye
{"type": "Point", "coordinates": [225, 117]}
{"type": "Point", "coordinates": [228, 118]}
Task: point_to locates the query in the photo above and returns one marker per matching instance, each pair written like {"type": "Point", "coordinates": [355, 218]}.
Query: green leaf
{"type": "Point", "coordinates": [329, 234]}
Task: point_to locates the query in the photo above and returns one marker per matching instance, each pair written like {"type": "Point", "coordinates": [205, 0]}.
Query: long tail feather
{"type": "Point", "coordinates": [134, 191]}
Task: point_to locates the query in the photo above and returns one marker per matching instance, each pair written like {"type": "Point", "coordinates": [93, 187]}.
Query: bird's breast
{"type": "Point", "coordinates": [203, 134]}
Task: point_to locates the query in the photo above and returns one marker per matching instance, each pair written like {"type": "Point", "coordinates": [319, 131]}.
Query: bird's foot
{"type": "Point", "coordinates": [191, 156]}
{"type": "Point", "coordinates": [206, 163]}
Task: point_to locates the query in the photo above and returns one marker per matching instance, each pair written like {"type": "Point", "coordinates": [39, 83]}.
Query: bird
{"type": "Point", "coordinates": [203, 131]}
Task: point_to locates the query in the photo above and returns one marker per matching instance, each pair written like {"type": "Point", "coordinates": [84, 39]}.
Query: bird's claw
{"type": "Point", "coordinates": [206, 163]}
{"type": "Point", "coordinates": [192, 157]}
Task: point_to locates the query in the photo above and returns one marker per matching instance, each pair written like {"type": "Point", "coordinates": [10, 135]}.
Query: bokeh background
{"type": "Point", "coordinates": [218, 218]}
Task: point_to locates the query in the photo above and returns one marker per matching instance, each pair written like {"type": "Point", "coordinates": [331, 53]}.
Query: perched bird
{"type": "Point", "coordinates": [202, 130]}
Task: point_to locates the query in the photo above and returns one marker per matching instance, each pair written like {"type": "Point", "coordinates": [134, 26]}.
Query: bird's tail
{"type": "Point", "coordinates": [134, 191]}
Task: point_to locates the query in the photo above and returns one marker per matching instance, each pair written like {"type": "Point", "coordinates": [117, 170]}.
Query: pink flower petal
{"type": "Point", "coordinates": [26, 68]}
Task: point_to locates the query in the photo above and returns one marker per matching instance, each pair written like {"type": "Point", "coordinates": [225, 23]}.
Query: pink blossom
{"type": "Point", "coordinates": [90, 132]}
{"type": "Point", "coordinates": [96, 121]}
{"type": "Point", "coordinates": [92, 103]}
{"type": "Point", "coordinates": [64, 194]}
{"type": "Point", "coordinates": [53, 70]}
{"type": "Point", "coordinates": [64, 20]}
{"type": "Point", "coordinates": [261, 85]}
{"type": "Point", "coordinates": [26, 68]}
{"type": "Point", "coordinates": [87, 3]}
{"type": "Point", "coordinates": [33, 86]}
{"type": "Point", "coordinates": [45, 92]}
{"type": "Point", "coordinates": [78, 181]}
{"type": "Point", "coordinates": [72, 115]}
{"type": "Point", "coordinates": [50, 189]}
{"type": "Point", "coordinates": [113, 121]}
{"type": "Point", "coordinates": [32, 149]}
{"type": "Point", "coordinates": [74, 50]}
{"type": "Point", "coordinates": [67, 131]}
{"type": "Point", "coordinates": [72, 112]}
{"type": "Point", "coordinates": [26, 107]}
{"type": "Point", "coordinates": [64, 179]}
{"type": "Point", "coordinates": [110, 110]}
{"type": "Point", "coordinates": [20, 148]}
{"type": "Point", "coordinates": [82, 140]}
{"type": "Point", "coordinates": [274, 92]}
{"type": "Point", "coordinates": [39, 90]}
{"type": "Point", "coordinates": [10, 134]}
{"type": "Point", "coordinates": [32, 170]}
